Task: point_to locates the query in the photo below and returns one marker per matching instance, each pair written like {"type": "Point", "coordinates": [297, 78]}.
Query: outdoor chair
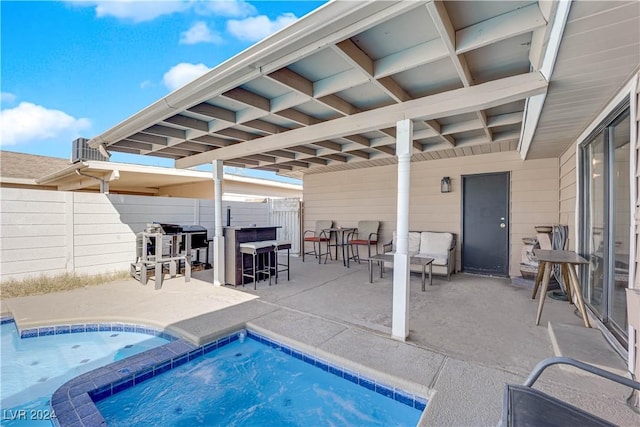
{"type": "Point", "coordinates": [317, 237]}
{"type": "Point", "coordinates": [525, 406]}
{"type": "Point", "coordinates": [365, 235]}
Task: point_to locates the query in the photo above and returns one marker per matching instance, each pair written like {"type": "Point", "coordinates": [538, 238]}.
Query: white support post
{"type": "Point", "coordinates": [104, 186]}
{"type": "Point", "coordinates": [401, 275]}
{"type": "Point", "coordinates": [218, 239]}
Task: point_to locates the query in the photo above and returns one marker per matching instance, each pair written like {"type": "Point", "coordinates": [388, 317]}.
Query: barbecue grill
{"type": "Point", "coordinates": [198, 235]}
{"type": "Point", "coordinates": [179, 239]}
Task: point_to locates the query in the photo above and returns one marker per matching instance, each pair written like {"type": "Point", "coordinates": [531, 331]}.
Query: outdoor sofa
{"type": "Point", "coordinates": [441, 246]}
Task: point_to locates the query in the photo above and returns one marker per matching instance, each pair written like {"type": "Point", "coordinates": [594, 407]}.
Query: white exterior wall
{"type": "Point", "coordinates": [370, 194]}
{"type": "Point", "coordinates": [568, 191]}
{"type": "Point", "coordinates": [46, 232]}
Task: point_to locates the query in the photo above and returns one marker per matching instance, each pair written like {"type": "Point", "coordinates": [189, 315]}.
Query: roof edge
{"type": "Point", "coordinates": [254, 61]}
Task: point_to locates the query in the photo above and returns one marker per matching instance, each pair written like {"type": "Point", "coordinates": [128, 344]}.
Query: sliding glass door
{"type": "Point", "coordinates": [620, 136]}
{"type": "Point", "coordinates": [606, 220]}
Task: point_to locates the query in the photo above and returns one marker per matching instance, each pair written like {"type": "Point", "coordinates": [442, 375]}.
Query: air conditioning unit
{"type": "Point", "coordinates": [81, 152]}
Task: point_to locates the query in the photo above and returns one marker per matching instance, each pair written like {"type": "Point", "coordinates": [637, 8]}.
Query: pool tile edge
{"type": "Point", "coordinates": [91, 327]}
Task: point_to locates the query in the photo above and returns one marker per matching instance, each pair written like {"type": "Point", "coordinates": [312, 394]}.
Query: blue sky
{"type": "Point", "coordinates": [77, 68]}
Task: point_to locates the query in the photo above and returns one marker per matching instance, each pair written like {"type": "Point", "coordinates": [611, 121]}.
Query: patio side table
{"type": "Point", "coordinates": [339, 234]}
{"type": "Point", "coordinates": [414, 260]}
{"type": "Point", "coordinates": [567, 260]}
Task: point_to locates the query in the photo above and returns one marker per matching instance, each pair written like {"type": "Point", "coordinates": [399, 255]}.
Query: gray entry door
{"type": "Point", "coordinates": [485, 224]}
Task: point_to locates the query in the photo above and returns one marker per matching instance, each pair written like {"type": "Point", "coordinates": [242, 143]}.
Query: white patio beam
{"type": "Point", "coordinates": [505, 119]}
{"type": "Point", "coordinates": [249, 114]}
{"type": "Point", "coordinates": [339, 82]}
{"type": "Point", "coordinates": [280, 106]}
{"type": "Point", "coordinates": [305, 88]}
{"type": "Point", "coordinates": [540, 36]}
{"type": "Point", "coordinates": [458, 101]}
{"type": "Point", "coordinates": [502, 27]}
{"type": "Point", "coordinates": [288, 100]}
{"type": "Point", "coordinates": [401, 274]}
{"type": "Point", "coordinates": [447, 32]}
{"type": "Point", "coordinates": [435, 127]}
{"type": "Point", "coordinates": [458, 127]}
{"type": "Point", "coordinates": [533, 106]}
{"type": "Point", "coordinates": [445, 28]}
{"type": "Point", "coordinates": [355, 56]}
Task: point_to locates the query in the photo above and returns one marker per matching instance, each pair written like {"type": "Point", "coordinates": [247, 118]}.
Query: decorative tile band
{"type": "Point", "coordinates": [394, 393]}
{"type": "Point", "coordinates": [4, 320]}
{"type": "Point", "coordinates": [73, 403]}
{"type": "Point", "coordinates": [92, 327]}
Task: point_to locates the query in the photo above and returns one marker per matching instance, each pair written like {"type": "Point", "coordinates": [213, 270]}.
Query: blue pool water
{"type": "Point", "coordinates": [33, 368]}
{"type": "Point", "coordinates": [251, 384]}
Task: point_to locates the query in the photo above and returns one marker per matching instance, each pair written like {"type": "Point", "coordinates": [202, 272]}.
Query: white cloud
{"type": "Point", "coordinates": [200, 33]}
{"type": "Point", "coordinates": [29, 122]}
{"type": "Point", "coordinates": [146, 84]}
{"type": "Point", "coordinates": [183, 73]}
{"type": "Point", "coordinates": [148, 10]}
{"type": "Point", "coordinates": [7, 97]}
{"type": "Point", "coordinates": [135, 10]}
{"type": "Point", "coordinates": [226, 8]}
{"type": "Point", "coordinates": [258, 27]}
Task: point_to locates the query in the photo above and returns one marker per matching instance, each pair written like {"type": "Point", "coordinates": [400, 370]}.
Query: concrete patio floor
{"type": "Point", "coordinates": [468, 337]}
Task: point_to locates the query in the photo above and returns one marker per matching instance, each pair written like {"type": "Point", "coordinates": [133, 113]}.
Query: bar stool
{"type": "Point", "coordinates": [255, 249]}
{"type": "Point", "coordinates": [280, 245]}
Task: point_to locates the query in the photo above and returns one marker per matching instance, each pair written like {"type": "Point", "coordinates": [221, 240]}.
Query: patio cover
{"type": "Point", "coordinates": [326, 93]}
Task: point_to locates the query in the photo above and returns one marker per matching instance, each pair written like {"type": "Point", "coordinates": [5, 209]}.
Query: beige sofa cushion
{"type": "Point", "coordinates": [436, 246]}
{"type": "Point", "coordinates": [414, 242]}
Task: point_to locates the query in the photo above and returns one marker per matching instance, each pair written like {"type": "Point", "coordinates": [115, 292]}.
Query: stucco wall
{"type": "Point", "coordinates": [348, 196]}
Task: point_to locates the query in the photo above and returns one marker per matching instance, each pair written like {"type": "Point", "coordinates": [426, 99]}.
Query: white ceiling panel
{"type": "Point", "coordinates": [428, 79]}
{"type": "Point", "coordinates": [324, 63]}
{"type": "Point", "coordinates": [392, 36]}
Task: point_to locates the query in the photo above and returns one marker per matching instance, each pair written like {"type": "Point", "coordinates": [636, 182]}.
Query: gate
{"type": "Point", "coordinates": [286, 213]}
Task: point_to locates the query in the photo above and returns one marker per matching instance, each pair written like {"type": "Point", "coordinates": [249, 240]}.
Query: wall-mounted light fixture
{"type": "Point", "coordinates": [445, 185]}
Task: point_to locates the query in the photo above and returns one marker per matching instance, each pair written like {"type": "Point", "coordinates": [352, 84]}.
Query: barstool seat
{"type": "Point", "coordinates": [280, 245]}
{"type": "Point", "coordinates": [254, 249]}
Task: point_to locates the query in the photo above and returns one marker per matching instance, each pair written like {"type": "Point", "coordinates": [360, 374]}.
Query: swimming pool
{"type": "Point", "coordinates": [34, 366]}
{"type": "Point", "coordinates": [260, 382]}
